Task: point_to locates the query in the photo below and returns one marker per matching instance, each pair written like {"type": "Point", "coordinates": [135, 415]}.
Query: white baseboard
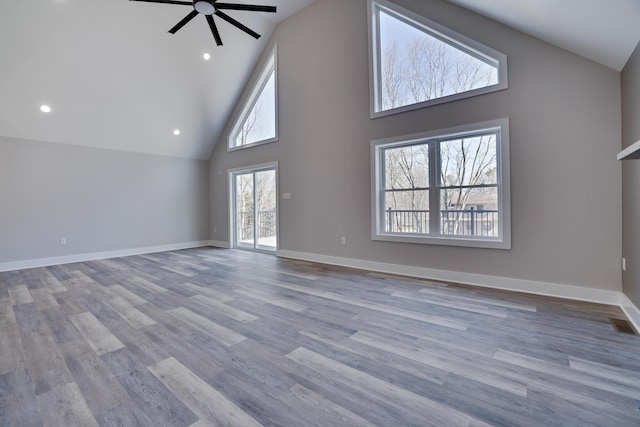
{"type": "Point", "coordinates": [632, 312]}
{"type": "Point", "coordinates": [69, 259]}
{"type": "Point", "coordinates": [220, 244]}
{"type": "Point", "coordinates": [526, 286]}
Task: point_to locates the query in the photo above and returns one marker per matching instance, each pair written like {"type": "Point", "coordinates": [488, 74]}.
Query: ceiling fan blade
{"type": "Point", "coordinates": [186, 3]}
{"type": "Point", "coordinates": [184, 21]}
{"type": "Point", "coordinates": [236, 24]}
{"type": "Point", "coordinates": [214, 30]}
{"type": "Point", "coordinates": [253, 8]}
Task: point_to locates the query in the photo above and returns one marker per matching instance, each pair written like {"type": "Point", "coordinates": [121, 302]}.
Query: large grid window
{"type": "Point", "coordinates": [448, 187]}
{"type": "Point", "coordinates": [416, 63]}
{"type": "Point", "coordinates": [258, 120]}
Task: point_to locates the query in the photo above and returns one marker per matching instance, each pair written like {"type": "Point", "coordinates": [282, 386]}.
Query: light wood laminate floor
{"type": "Point", "coordinates": [209, 337]}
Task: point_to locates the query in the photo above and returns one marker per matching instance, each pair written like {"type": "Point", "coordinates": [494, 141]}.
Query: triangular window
{"type": "Point", "coordinates": [417, 63]}
{"type": "Point", "coordinates": [257, 123]}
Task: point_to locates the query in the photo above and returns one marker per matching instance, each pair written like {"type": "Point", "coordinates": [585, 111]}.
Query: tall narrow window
{"type": "Point", "coordinates": [258, 120]}
{"type": "Point", "coordinates": [448, 187]}
{"type": "Point", "coordinates": [417, 63]}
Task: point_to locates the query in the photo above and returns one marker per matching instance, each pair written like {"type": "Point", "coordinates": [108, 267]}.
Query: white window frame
{"type": "Point", "coordinates": [270, 65]}
{"type": "Point", "coordinates": [438, 31]}
{"type": "Point", "coordinates": [503, 241]}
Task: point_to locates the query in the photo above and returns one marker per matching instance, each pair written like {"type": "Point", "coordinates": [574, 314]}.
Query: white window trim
{"type": "Point", "coordinates": [439, 31]}
{"type": "Point", "coordinates": [504, 188]}
{"type": "Point", "coordinates": [258, 86]}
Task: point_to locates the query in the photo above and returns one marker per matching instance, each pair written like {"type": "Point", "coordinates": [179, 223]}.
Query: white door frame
{"type": "Point", "coordinates": [232, 205]}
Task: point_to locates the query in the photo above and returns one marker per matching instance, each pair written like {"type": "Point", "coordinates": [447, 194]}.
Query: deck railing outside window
{"type": "Point", "coordinates": [467, 222]}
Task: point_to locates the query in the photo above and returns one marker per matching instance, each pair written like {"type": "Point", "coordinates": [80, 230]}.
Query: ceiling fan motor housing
{"type": "Point", "coordinates": [204, 7]}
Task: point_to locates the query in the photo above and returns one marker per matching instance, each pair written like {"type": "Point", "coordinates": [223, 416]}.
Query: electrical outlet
{"type": "Point", "coordinates": [343, 240]}
{"type": "Point", "coordinates": [215, 229]}
{"type": "Point", "coordinates": [63, 240]}
{"type": "Point", "coordinates": [624, 264]}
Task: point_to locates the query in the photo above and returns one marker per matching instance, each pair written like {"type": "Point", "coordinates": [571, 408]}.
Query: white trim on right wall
{"type": "Point", "coordinates": [632, 312]}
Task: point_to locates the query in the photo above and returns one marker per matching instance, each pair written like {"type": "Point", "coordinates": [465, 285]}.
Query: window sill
{"type": "Point", "coordinates": [254, 144]}
{"type": "Point", "coordinates": [461, 241]}
{"type": "Point", "coordinates": [632, 152]}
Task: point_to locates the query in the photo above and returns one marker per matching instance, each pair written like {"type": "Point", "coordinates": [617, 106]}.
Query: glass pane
{"type": "Point", "coordinates": [407, 167]}
{"type": "Point", "coordinates": [407, 212]}
{"type": "Point", "coordinates": [469, 212]}
{"type": "Point", "coordinates": [266, 199]}
{"type": "Point", "coordinates": [244, 209]}
{"type": "Point", "coordinates": [260, 123]}
{"type": "Point", "coordinates": [417, 67]}
{"type": "Point", "coordinates": [469, 161]}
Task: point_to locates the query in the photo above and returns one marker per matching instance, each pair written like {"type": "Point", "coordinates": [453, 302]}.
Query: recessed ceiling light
{"type": "Point", "coordinates": [45, 108]}
{"type": "Point", "coordinates": [206, 56]}
{"type": "Point", "coordinates": [176, 132]}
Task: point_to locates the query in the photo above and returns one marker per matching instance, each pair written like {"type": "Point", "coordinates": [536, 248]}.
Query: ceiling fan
{"type": "Point", "coordinates": [212, 7]}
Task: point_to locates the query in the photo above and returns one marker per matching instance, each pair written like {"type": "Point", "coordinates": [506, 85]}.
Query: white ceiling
{"type": "Point", "coordinates": [605, 31]}
{"type": "Point", "coordinates": [116, 79]}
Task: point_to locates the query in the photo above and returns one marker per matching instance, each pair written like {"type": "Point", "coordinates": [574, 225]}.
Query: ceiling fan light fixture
{"type": "Point", "coordinates": [204, 7]}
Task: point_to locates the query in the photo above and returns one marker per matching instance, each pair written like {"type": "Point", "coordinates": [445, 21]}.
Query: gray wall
{"type": "Point", "coordinates": [565, 134]}
{"type": "Point", "coordinates": [631, 178]}
{"type": "Point", "coordinates": [100, 200]}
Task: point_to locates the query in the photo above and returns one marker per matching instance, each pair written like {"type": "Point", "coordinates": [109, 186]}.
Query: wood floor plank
{"type": "Point", "coordinates": [45, 365]}
{"type": "Point", "coordinates": [44, 299]}
{"type": "Point", "coordinates": [207, 327]}
{"type": "Point", "coordinates": [227, 310]}
{"type": "Point", "coordinates": [567, 374]}
{"type": "Point", "coordinates": [207, 291]}
{"type": "Point", "coordinates": [381, 392]}
{"type": "Point", "coordinates": [155, 403]}
{"type": "Point", "coordinates": [476, 299]}
{"type": "Point", "coordinates": [205, 401]}
{"type": "Point", "coordinates": [125, 415]}
{"type": "Point", "coordinates": [146, 285]}
{"type": "Point", "coordinates": [20, 295]}
{"type": "Point", "coordinates": [128, 312]}
{"type": "Point", "coordinates": [472, 308]}
{"type": "Point", "coordinates": [65, 406]}
{"type": "Point", "coordinates": [100, 389]}
{"type": "Point", "coordinates": [126, 294]}
{"type": "Point", "coordinates": [449, 323]}
{"type": "Point", "coordinates": [18, 404]}
{"type": "Point", "coordinates": [452, 364]}
{"type": "Point", "coordinates": [11, 350]}
{"type": "Point", "coordinates": [338, 415]}
{"type": "Point", "coordinates": [271, 299]}
{"type": "Point", "coordinates": [97, 335]}
{"type": "Point", "coordinates": [390, 360]}
{"type": "Point", "coordinates": [51, 282]}
{"type": "Point", "coordinates": [607, 372]}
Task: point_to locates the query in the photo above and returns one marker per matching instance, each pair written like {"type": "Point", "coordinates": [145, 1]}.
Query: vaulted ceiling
{"type": "Point", "coordinates": [115, 78]}
{"type": "Point", "coordinates": [605, 31]}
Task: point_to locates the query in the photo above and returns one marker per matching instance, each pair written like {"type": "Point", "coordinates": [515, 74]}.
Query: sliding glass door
{"type": "Point", "coordinates": [254, 209]}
